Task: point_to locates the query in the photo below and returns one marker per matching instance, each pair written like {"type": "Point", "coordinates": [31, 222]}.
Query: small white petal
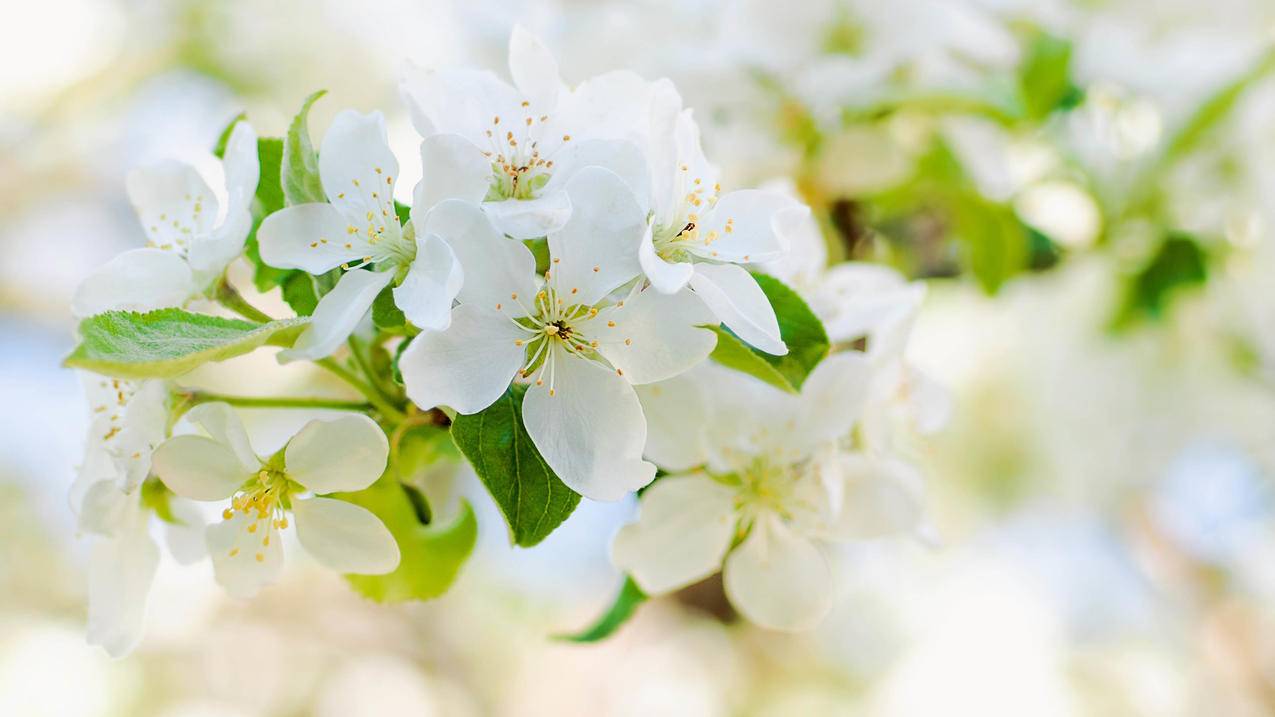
{"type": "Point", "coordinates": [198, 468]}
{"type": "Point", "coordinates": [245, 561]}
{"type": "Point", "coordinates": [753, 215]}
{"type": "Point", "coordinates": [655, 336]}
{"type": "Point", "coordinates": [929, 400]}
{"type": "Point", "coordinates": [530, 218]}
{"type": "Point", "coordinates": [432, 282]}
{"type": "Point", "coordinates": [591, 431]}
{"type": "Point", "coordinates": [466, 367]}
{"type": "Point", "coordinates": [222, 424]}
{"type": "Point", "coordinates": [778, 579]}
{"type": "Point", "coordinates": [665, 277]}
{"type": "Point", "coordinates": [684, 528]}
{"type": "Point", "coordinates": [172, 201]}
{"type": "Point", "coordinates": [342, 454]}
{"type": "Point", "coordinates": [358, 170]}
{"type": "Point", "coordinates": [345, 537]}
{"type": "Point", "coordinates": [496, 269]}
{"type": "Point", "coordinates": [734, 296]}
{"type": "Point", "coordinates": [457, 101]}
{"type": "Point", "coordinates": [596, 251]}
{"type": "Point", "coordinates": [452, 168]}
{"type": "Point", "coordinates": [185, 539]}
{"type": "Point", "coordinates": [136, 280]}
{"type": "Point", "coordinates": [337, 315]}
{"type": "Point", "coordinates": [879, 497]}
{"type": "Point", "coordinates": [121, 570]}
{"type": "Point", "coordinates": [243, 169]}
{"type": "Point", "coordinates": [533, 69]}
{"type": "Point", "coordinates": [677, 412]}
{"type": "Point", "coordinates": [104, 508]}
{"type": "Point", "coordinates": [832, 397]}
{"type": "Point", "coordinates": [310, 237]}
{"type": "Point", "coordinates": [622, 157]}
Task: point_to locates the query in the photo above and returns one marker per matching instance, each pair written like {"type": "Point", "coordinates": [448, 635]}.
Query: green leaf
{"type": "Point", "coordinates": [1217, 108]}
{"type": "Point", "coordinates": [300, 162]}
{"type": "Point", "coordinates": [219, 149]}
{"type": "Point", "coordinates": [996, 245]}
{"type": "Point", "coordinates": [431, 554]}
{"type": "Point", "coordinates": [533, 500]}
{"type": "Point", "coordinates": [800, 329]}
{"type": "Point", "coordinates": [1179, 264]}
{"type": "Point", "coordinates": [403, 211]}
{"type": "Point", "coordinates": [1045, 76]}
{"type": "Point", "coordinates": [626, 603]}
{"type": "Point", "coordinates": [170, 342]}
{"type": "Point", "coordinates": [385, 313]}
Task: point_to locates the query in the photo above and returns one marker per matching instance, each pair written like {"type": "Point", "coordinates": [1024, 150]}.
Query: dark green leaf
{"type": "Point", "coordinates": [800, 329]}
{"type": "Point", "coordinates": [626, 603]}
{"type": "Point", "coordinates": [170, 342]}
{"type": "Point", "coordinates": [1179, 264]}
{"type": "Point", "coordinates": [403, 211]}
{"type": "Point", "coordinates": [301, 182]}
{"type": "Point", "coordinates": [431, 554]}
{"type": "Point", "coordinates": [533, 500]}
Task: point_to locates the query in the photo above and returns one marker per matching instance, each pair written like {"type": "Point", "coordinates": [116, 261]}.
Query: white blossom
{"type": "Point", "coordinates": [343, 454]}
{"type": "Point", "coordinates": [187, 250]}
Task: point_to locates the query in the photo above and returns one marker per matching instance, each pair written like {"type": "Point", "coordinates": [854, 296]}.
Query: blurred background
{"type": "Point", "coordinates": [1086, 186]}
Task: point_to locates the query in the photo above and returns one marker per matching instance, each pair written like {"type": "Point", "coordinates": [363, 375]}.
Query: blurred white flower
{"type": "Point", "coordinates": [775, 482]}
{"type": "Point", "coordinates": [344, 454]}
{"type": "Point", "coordinates": [186, 250]}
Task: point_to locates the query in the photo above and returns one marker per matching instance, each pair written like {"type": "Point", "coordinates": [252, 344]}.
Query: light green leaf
{"type": "Point", "coordinates": [532, 498]}
{"type": "Point", "coordinates": [170, 342]}
{"type": "Point", "coordinates": [300, 162]}
{"type": "Point", "coordinates": [431, 554]}
{"type": "Point", "coordinates": [219, 150]}
{"type": "Point", "coordinates": [800, 329]}
{"type": "Point", "coordinates": [625, 604]}
{"type": "Point", "coordinates": [1044, 79]}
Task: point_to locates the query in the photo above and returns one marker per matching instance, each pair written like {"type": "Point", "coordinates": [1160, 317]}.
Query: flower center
{"type": "Point", "coordinates": [263, 502]}
{"type": "Point", "coordinates": [676, 236]}
{"type": "Point", "coordinates": [520, 168]}
{"type": "Point", "coordinates": [557, 329]}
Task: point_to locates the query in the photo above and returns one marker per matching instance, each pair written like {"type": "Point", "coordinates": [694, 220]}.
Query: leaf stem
{"type": "Point", "coordinates": [227, 296]}
{"type": "Point", "coordinates": [373, 396]}
{"type": "Point", "coordinates": [198, 397]}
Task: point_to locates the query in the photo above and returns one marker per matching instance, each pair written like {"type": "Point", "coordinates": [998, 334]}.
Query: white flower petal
{"type": "Point", "coordinates": [832, 397]}
{"type": "Point", "coordinates": [337, 315]}
{"type": "Point", "coordinates": [778, 579]}
{"type": "Point", "coordinates": [530, 218]}
{"type": "Point", "coordinates": [596, 251]}
{"type": "Point", "coordinates": [342, 454]}
{"type": "Point", "coordinates": [858, 299]}
{"type": "Point", "coordinates": [172, 201]}
{"type": "Point", "coordinates": [198, 468]}
{"type": "Point", "coordinates": [591, 430]}
{"type": "Point", "coordinates": [185, 539]}
{"type": "Point", "coordinates": [929, 400]}
{"type": "Point", "coordinates": [678, 413]}
{"type": "Point", "coordinates": [655, 336]}
{"type": "Point", "coordinates": [665, 277]}
{"type": "Point", "coordinates": [136, 280]}
{"type": "Point", "coordinates": [458, 101]}
{"type": "Point", "coordinates": [432, 282]}
{"type": "Point", "coordinates": [753, 215]}
{"type": "Point", "coordinates": [345, 537]}
{"type": "Point", "coordinates": [310, 237]}
{"type": "Point", "coordinates": [244, 561]}
{"type": "Point", "coordinates": [466, 367]}
{"type": "Point", "coordinates": [242, 166]}
{"type": "Point", "coordinates": [209, 256]}
{"type": "Point", "coordinates": [734, 296]}
{"type": "Point", "coordinates": [103, 509]}
{"type": "Point", "coordinates": [495, 268]}
{"type": "Point", "coordinates": [684, 528]}
{"type": "Point", "coordinates": [358, 170]}
{"type": "Point", "coordinates": [121, 570]}
{"type": "Point", "coordinates": [533, 69]}
{"type": "Point", "coordinates": [222, 424]}
{"type": "Point", "coordinates": [679, 161]}
{"type": "Point", "coordinates": [452, 168]}
{"type": "Point", "coordinates": [879, 497]}
{"type": "Point", "coordinates": [622, 157]}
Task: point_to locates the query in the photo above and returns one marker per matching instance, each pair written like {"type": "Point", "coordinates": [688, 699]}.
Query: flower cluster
{"type": "Point", "coordinates": [567, 266]}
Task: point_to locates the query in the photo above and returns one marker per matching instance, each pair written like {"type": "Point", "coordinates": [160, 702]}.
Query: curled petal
{"type": "Point", "coordinates": [734, 296]}
{"type": "Point", "coordinates": [337, 315]}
